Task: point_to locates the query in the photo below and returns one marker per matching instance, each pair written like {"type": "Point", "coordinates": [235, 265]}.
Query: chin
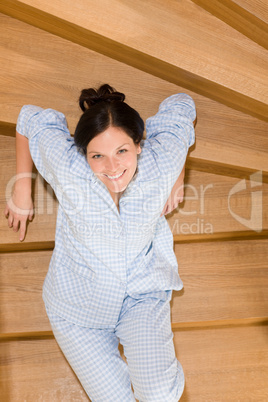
{"type": "Point", "coordinates": [118, 189]}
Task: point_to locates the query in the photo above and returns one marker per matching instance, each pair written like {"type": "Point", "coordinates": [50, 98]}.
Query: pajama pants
{"type": "Point", "coordinates": [144, 331]}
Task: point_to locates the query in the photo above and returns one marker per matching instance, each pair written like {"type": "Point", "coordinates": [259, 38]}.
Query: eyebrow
{"type": "Point", "coordinates": [95, 152]}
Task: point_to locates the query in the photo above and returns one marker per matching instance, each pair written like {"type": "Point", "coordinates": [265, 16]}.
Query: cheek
{"type": "Point", "coordinates": [131, 161]}
{"type": "Point", "coordinates": [94, 165]}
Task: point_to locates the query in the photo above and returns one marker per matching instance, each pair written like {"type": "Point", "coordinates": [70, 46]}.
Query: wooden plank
{"type": "Point", "coordinates": [36, 370]}
{"type": "Point", "coordinates": [44, 79]}
{"type": "Point", "coordinates": [239, 18]}
{"type": "Point", "coordinates": [192, 59]}
{"type": "Point", "coordinates": [236, 322]}
{"type": "Point", "coordinates": [257, 7]}
{"type": "Point", "coordinates": [26, 246]}
{"type": "Point", "coordinates": [7, 129]}
{"type": "Point", "coordinates": [210, 207]}
{"type": "Point", "coordinates": [224, 364]}
{"type": "Point", "coordinates": [215, 237]}
{"type": "Point", "coordinates": [15, 336]}
{"type": "Point", "coordinates": [222, 281]}
{"type": "Point", "coordinates": [22, 276]}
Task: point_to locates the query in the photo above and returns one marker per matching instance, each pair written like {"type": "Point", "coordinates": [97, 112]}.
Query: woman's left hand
{"type": "Point", "coordinates": [176, 195]}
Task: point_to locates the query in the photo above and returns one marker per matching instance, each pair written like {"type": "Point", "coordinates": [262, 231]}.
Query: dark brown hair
{"type": "Point", "coordinates": [103, 108]}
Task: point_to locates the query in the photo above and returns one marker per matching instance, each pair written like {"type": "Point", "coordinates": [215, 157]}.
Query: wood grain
{"type": "Point", "coordinates": [36, 370]}
{"type": "Point", "coordinates": [223, 280]}
{"type": "Point", "coordinates": [193, 58]}
{"type": "Point", "coordinates": [209, 206]}
{"type": "Point", "coordinates": [239, 18]}
{"type": "Point", "coordinates": [224, 365]}
{"type": "Point", "coordinates": [257, 7]}
{"type": "Point", "coordinates": [22, 276]}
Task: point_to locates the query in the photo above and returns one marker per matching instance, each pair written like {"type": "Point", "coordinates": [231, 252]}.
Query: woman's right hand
{"type": "Point", "coordinates": [18, 210]}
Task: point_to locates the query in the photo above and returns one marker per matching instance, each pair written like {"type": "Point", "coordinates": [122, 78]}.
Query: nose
{"type": "Point", "coordinates": [112, 165]}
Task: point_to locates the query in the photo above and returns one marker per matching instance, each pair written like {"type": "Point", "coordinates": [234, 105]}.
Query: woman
{"type": "Point", "coordinates": [113, 269]}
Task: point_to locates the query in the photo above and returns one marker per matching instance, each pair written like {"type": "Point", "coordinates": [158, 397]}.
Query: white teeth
{"type": "Point", "coordinates": [115, 177]}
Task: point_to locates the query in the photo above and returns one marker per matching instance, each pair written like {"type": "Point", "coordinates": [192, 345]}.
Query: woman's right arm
{"type": "Point", "coordinates": [19, 207]}
{"type": "Point", "coordinates": [40, 138]}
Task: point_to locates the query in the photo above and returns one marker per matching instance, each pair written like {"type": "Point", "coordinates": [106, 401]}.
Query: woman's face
{"type": "Point", "coordinates": [112, 156]}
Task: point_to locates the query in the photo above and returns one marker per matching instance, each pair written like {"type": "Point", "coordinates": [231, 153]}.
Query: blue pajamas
{"type": "Point", "coordinates": [144, 330]}
{"type": "Point", "coordinates": [103, 254]}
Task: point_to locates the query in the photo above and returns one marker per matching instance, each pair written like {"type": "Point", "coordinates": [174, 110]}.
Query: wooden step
{"type": "Point", "coordinates": [222, 281]}
{"type": "Point", "coordinates": [224, 364]}
{"type": "Point", "coordinates": [257, 8]}
{"type": "Point", "coordinates": [248, 17]}
{"type": "Point", "coordinates": [33, 370]}
{"type": "Point", "coordinates": [138, 36]}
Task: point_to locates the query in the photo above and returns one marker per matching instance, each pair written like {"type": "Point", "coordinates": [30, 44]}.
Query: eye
{"type": "Point", "coordinates": [122, 151]}
{"type": "Point", "coordinates": [96, 156]}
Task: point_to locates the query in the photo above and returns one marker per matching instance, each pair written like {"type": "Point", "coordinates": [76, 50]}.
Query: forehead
{"type": "Point", "coordinates": [111, 138]}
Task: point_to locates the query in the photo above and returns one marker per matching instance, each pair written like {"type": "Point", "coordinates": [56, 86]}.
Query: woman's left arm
{"type": "Point", "coordinates": [177, 192]}
{"type": "Point", "coordinates": [171, 133]}
{"type": "Point", "coordinates": [176, 195]}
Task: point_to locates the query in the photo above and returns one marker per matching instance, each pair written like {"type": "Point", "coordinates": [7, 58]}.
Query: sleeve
{"type": "Point", "coordinates": [171, 131]}
{"type": "Point", "coordinates": [48, 135]}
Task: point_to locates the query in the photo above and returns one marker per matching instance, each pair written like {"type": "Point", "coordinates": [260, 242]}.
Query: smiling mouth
{"type": "Point", "coordinates": [118, 176]}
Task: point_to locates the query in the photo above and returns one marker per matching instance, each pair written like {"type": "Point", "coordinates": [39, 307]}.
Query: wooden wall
{"type": "Point", "coordinates": [216, 52]}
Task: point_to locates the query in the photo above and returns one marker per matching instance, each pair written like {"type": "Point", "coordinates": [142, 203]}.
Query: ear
{"type": "Point", "coordinates": [138, 147]}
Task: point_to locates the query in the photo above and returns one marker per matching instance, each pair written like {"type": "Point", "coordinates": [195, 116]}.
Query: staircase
{"type": "Point", "coordinates": [216, 51]}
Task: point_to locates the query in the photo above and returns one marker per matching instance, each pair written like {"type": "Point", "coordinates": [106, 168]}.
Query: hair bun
{"type": "Point", "coordinates": [90, 97]}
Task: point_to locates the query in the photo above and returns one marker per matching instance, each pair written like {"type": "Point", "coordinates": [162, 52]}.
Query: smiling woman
{"type": "Point", "coordinates": [109, 132]}
{"type": "Point", "coordinates": [105, 285]}
{"type": "Point", "coordinates": [116, 164]}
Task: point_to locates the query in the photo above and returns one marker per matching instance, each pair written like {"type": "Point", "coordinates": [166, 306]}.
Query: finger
{"type": "Point", "coordinates": [10, 220]}
{"type": "Point", "coordinates": [168, 209]}
{"type": "Point", "coordinates": [164, 210]}
{"type": "Point", "coordinates": [22, 230]}
{"type": "Point", "coordinates": [31, 214]}
{"type": "Point", "coordinates": [16, 224]}
{"type": "Point", "coordinates": [6, 211]}
{"type": "Point", "coordinates": [174, 206]}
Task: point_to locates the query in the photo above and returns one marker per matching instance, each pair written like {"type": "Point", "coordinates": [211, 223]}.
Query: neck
{"type": "Point", "coordinates": [116, 197]}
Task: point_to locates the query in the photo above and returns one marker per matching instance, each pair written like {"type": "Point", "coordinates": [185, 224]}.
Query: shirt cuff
{"type": "Point", "coordinates": [26, 113]}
